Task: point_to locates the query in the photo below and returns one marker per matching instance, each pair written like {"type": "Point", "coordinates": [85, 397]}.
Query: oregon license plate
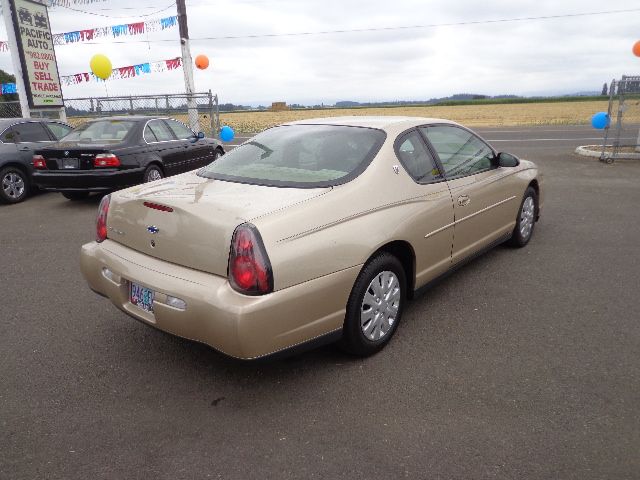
{"type": "Point", "coordinates": [141, 297]}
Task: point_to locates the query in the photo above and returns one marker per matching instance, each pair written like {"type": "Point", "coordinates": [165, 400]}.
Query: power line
{"type": "Point", "coordinates": [118, 16]}
{"type": "Point", "coordinates": [148, 7]}
{"type": "Point", "coordinates": [382, 29]}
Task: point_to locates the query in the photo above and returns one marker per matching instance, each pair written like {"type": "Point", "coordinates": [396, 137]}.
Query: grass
{"type": "Point", "coordinates": [474, 114]}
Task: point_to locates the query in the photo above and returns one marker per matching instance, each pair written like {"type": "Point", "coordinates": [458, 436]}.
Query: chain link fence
{"type": "Point", "coordinates": [10, 109]}
{"type": "Point", "coordinates": [204, 107]}
{"type": "Point", "coordinates": [622, 137]}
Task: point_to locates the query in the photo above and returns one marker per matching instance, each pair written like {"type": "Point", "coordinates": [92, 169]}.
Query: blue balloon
{"type": "Point", "coordinates": [227, 134]}
{"type": "Point", "coordinates": [600, 120]}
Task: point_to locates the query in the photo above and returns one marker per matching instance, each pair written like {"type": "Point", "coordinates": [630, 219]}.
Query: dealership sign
{"type": "Point", "coordinates": [38, 59]}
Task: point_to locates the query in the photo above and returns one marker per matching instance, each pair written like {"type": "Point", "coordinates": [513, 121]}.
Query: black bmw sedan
{"type": "Point", "coordinates": [116, 152]}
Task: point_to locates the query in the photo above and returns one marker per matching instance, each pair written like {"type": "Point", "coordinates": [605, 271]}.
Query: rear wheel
{"type": "Point", "coordinates": [75, 195]}
{"type": "Point", "coordinates": [375, 305]}
{"type": "Point", "coordinates": [14, 185]}
{"type": "Point", "coordinates": [152, 173]}
{"type": "Point", "coordinates": [526, 220]}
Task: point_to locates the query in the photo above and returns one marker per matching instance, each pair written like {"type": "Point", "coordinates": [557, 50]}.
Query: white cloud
{"type": "Point", "coordinates": [554, 56]}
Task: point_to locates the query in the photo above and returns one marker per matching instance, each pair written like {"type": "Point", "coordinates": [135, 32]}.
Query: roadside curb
{"type": "Point", "coordinates": [596, 151]}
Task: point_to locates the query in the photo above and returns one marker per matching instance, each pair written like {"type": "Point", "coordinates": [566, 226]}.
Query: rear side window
{"type": "Point", "coordinates": [159, 130]}
{"type": "Point", "coordinates": [8, 136]}
{"type": "Point", "coordinates": [181, 131]}
{"type": "Point", "coordinates": [416, 159]}
{"type": "Point", "coordinates": [59, 130]}
{"type": "Point", "coordinates": [30, 132]}
{"type": "Point", "coordinates": [149, 136]}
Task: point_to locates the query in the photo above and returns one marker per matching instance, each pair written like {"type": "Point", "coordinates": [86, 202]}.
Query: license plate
{"type": "Point", "coordinates": [141, 297]}
{"type": "Point", "coordinates": [69, 163]}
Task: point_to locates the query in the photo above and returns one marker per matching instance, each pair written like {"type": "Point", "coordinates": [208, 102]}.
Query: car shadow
{"type": "Point", "coordinates": [93, 200]}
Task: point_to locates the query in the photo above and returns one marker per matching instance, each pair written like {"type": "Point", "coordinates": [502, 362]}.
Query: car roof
{"type": "Point", "coordinates": [383, 122]}
{"type": "Point", "coordinates": [135, 118]}
{"type": "Point", "coordinates": [5, 122]}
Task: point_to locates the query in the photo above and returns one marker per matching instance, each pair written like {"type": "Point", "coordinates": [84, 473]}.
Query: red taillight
{"type": "Point", "coordinates": [101, 222]}
{"type": "Point", "coordinates": [249, 267]}
{"type": "Point", "coordinates": [106, 160]}
{"type": "Point", "coordinates": [39, 162]}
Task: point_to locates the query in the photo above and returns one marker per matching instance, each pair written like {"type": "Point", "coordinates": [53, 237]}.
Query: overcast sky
{"type": "Point", "coordinates": [552, 56]}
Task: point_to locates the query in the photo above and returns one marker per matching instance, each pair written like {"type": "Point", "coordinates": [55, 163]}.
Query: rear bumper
{"type": "Point", "coordinates": [87, 181]}
{"type": "Point", "coordinates": [237, 325]}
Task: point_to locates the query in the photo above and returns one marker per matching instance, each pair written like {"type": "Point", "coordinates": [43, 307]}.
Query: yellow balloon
{"type": "Point", "coordinates": [101, 66]}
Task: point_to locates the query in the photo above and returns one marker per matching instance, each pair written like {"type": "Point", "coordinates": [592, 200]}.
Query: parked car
{"type": "Point", "coordinates": [312, 231]}
{"type": "Point", "coordinates": [116, 152]}
{"type": "Point", "coordinates": [19, 138]}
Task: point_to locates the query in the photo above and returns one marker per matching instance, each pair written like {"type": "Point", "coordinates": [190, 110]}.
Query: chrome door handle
{"type": "Point", "coordinates": [463, 200]}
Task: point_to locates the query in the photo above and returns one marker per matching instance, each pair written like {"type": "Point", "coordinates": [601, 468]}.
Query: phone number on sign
{"type": "Point", "coordinates": [41, 56]}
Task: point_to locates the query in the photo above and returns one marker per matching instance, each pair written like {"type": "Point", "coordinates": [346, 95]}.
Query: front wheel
{"type": "Point", "coordinates": [14, 186]}
{"type": "Point", "coordinates": [526, 220]}
{"type": "Point", "coordinates": [375, 305]}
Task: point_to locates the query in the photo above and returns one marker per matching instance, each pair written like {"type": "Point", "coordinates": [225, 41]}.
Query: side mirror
{"type": "Point", "coordinates": [504, 159]}
{"type": "Point", "coordinates": [200, 135]}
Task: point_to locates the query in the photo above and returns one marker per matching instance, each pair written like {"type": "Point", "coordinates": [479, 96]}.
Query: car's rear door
{"type": "Point", "coordinates": [199, 151]}
{"type": "Point", "coordinates": [432, 221]}
{"type": "Point", "coordinates": [28, 137]}
{"type": "Point", "coordinates": [163, 145]}
{"type": "Point", "coordinates": [485, 197]}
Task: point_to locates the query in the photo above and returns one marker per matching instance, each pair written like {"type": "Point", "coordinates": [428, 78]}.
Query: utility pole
{"type": "Point", "coordinates": [15, 58]}
{"type": "Point", "coordinates": [187, 65]}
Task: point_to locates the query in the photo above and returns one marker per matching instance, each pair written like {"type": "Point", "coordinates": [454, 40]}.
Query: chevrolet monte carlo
{"type": "Point", "coordinates": [312, 231]}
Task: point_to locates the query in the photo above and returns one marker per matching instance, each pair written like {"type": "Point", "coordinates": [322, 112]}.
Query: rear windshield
{"type": "Point", "coordinates": [303, 156]}
{"type": "Point", "coordinates": [101, 131]}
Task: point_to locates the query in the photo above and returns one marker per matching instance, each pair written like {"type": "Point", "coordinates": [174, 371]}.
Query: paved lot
{"type": "Point", "coordinates": [524, 364]}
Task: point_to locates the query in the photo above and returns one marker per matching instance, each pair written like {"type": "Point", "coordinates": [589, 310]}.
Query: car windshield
{"type": "Point", "coordinates": [101, 131]}
{"type": "Point", "coordinates": [299, 156]}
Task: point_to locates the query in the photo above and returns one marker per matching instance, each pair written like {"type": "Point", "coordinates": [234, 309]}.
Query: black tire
{"type": "Point", "coordinates": [75, 195]}
{"type": "Point", "coordinates": [14, 185]}
{"type": "Point", "coordinates": [354, 340]}
{"type": "Point", "coordinates": [519, 238]}
{"type": "Point", "coordinates": [152, 173]}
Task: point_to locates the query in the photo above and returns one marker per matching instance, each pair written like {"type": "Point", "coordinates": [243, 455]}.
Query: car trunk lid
{"type": "Point", "coordinates": [189, 220]}
{"type": "Point", "coordinates": [72, 155]}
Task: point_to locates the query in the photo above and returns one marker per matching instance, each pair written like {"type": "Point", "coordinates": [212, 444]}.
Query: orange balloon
{"type": "Point", "coordinates": [202, 62]}
{"type": "Point", "coordinates": [636, 48]}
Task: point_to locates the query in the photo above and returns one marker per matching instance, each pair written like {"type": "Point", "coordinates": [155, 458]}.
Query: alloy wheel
{"type": "Point", "coordinates": [13, 185]}
{"type": "Point", "coordinates": [153, 175]}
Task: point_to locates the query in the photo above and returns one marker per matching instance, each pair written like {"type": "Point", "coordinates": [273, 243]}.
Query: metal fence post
{"type": "Point", "coordinates": [211, 120]}
{"type": "Point", "coordinates": [612, 89]}
{"type": "Point", "coordinates": [215, 98]}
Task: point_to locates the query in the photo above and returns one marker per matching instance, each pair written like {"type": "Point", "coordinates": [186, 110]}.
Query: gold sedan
{"type": "Point", "coordinates": [310, 232]}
